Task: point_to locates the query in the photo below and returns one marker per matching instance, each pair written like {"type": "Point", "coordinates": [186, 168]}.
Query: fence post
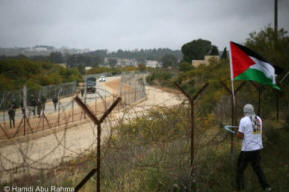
{"type": "Point", "coordinates": [25, 107]}
{"type": "Point", "coordinates": [72, 114]}
{"type": "Point", "coordinates": [95, 104]}
{"type": "Point", "coordinates": [84, 180]}
{"type": "Point", "coordinates": [120, 87]}
{"type": "Point", "coordinates": [4, 115]}
{"type": "Point", "coordinates": [191, 100]}
{"type": "Point", "coordinates": [277, 105]}
{"type": "Point", "coordinates": [98, 123]}
{"type": "Point", "coordinates": [135, 94]}
{"type": "Point", "coordinates": [259, 100]}
{"type": "Point", "coordinates": [58, 116]}
{"type": "Point", "coordinates": [259, 89]}
{"type": "Point", "coordinates": [233, 108]}
{"type": "Point", "coordinates": [42, 121]}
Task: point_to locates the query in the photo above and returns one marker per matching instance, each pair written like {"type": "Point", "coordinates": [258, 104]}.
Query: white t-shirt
{"type": "Point", "coordinates": [252, 138]}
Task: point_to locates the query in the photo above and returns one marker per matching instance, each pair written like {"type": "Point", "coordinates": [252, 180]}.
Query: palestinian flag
{"type": "Point", "coordinates": [248, 65]}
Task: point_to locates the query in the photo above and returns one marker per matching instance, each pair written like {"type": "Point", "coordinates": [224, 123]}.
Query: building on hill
{"type": "Point", "coordinates": [152, 63]}
{"type": "Point", "coordinates": [64, 65]}
{"type": "Point", "coordinates": [126, 62]}
{"type": "Point", "coordinates": [87, 68]}
{"type": "Point", "coordinates": [206, 60]}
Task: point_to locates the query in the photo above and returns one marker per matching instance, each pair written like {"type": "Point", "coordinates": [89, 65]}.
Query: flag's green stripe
{"type": "Point", "coordinates": [256, 75]}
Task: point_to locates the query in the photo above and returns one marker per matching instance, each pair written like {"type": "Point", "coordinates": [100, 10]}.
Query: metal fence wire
{"type": "Point", "coordinates": [37, 114]}
{"type": "Point", "coordinates": [132, 87]}
{"type": "Point", "coordinates": [46, 92]}
{"type": "Point", "coordinates": [161, 134]}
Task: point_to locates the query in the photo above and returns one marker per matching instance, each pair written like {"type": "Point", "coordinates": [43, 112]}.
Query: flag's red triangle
{"type": "Point", "coordinates": [240, 60]}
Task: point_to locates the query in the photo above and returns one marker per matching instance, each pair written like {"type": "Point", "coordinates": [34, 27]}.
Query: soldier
{"type": "Point", "coordinates": [33, 103]}
{"type": "Point", "coordinates": [22, 107]}
{"type": "Point", "coordinates": [82, 91]}
{"type": "Point", "coordinates": [39, 107]}
{"type": "Point", "coordinates": [43, 102]}
{"type": "Point", "coordinates": [55, 101]}
{"type": "Point", "coordinates": [11, 113]}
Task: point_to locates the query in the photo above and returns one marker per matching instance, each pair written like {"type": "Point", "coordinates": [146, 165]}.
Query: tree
{"type": "Point", "coordinates": [15, 72]}
{"type": "Point", "coordinates": [81, 69]}
{"type": "Point", "coordinates": [185, 66]}
{"type": "Point", "coordinates": [196, 49]}
{"type": "Point", "coordinates": [214, 50]}
{"type": "Point", "coordinates": [142, 67]}
{"type": "Point", "coordinates": [112, 62]}
{"type": "Point", "coordinates": [224, 54]}
{"type": "Point", "coordinates": [169, 60]}
{"type": "Point", "coordinates": [56, 57]}
{"type": "Point", "coordinates": [276, 52]}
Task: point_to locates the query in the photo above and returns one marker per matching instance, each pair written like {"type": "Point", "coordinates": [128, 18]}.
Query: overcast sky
{"type": "Point", "coordinates": [133, 24]}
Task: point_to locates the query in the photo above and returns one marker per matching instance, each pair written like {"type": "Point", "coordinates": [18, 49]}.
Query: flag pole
{"type": "Point", "coordinates": [233, 100]}
{"type": "Point", "coordinates": [232, 77]}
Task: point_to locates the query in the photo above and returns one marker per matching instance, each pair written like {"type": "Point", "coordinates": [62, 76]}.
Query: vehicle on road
{"type": "Point", "coordinates": [90, 85]}
{"type": "Point", "coordinates": [101, 79]}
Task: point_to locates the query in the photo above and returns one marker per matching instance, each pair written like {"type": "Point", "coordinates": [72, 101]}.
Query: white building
{"type": "Point", "coordinates": [152, 63]}
{"type": "Point", "coordinates": [86, 68]}
{"type": "Point", "coordinates": [126, 62]}
{"type": "Point", "coordinates": [206, 61]}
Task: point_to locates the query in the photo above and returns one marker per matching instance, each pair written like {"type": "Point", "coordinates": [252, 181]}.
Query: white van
{"type": "Point", "coordinates": [101, 79]}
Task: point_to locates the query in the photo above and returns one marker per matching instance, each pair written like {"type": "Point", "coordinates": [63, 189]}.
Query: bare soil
{"type": "Point", "coordinates": [51, 150]}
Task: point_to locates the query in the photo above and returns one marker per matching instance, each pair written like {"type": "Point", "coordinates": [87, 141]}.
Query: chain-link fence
{"type": "Point", "coordinates": [132, 87]}
{"type": "Point", "coordinates": [49, 112]}
{"type": "Point", "coordinates": [46, 92]}
{"type": "Point", "coordinates": [30, 110]}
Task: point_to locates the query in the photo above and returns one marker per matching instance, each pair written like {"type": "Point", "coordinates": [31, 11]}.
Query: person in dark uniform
{"type": "Point", "coordinates": [11, 113]}
{"type": "Point", "coordinates": [82, 91]}
{"type": "Point", "coordinates": [39, 107]}
{"type": "Point", "coordinates": [55, 101]}
{"type": "Point", "coordinates": [22, 107]}
{"type": "Point", "coordinates": [33, 103]}
{"type": "Point", "coordinates": [14, 103]}
{"type": "Point", "coordinates": [43, 102]}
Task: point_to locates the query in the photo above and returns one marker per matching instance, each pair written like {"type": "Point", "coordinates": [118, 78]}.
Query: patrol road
{"type": "Point", "coordinates": [53, 149]}
{"type": "Point", "coordinates": [101, 92]}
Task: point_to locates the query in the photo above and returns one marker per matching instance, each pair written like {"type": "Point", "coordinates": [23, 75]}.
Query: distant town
{"type": "Point", "coordinates": [88, 59]}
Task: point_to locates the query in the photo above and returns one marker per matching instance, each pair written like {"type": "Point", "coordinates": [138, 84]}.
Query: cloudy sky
{"type": "Point", "coordinates": [133, 24]}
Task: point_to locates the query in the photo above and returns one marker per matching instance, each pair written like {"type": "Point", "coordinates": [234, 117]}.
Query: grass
{"type": "Point", "coordinates": [153, 154]}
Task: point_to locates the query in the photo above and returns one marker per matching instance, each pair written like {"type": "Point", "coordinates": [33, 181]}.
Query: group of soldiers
{"type": "Point", "coordinates": [36, 105]}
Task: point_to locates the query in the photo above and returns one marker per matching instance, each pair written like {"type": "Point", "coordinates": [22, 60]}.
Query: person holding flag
{"type": "Point", "coordinates": [245, 64]}
{"type": "Point", "coordinates": [250, 131]}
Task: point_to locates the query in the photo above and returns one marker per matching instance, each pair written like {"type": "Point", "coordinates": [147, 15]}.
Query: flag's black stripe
{"type": "Point", "coordinates": [251, 53]}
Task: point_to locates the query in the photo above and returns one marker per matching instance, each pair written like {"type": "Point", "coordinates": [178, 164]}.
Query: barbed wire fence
{"type": "Point", "coordinates": [166, 128]}
{"type": "Point", "coordinates": [53, 119]}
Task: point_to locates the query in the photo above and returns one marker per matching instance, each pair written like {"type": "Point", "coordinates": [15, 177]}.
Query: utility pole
{"type": "Point", "coordinates": [276, 16]}
{"type": "Point", "coordinates": [276, 40]}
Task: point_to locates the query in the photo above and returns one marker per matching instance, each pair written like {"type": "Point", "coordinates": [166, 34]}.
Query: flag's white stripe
{"type": "Point", "coordinates": [264, 67]}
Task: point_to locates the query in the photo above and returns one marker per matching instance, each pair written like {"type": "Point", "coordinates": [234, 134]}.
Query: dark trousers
{"type": "Point", "coordinates": [254, 158]}
{"type": "Point", "coordinates": [12, 122]}
{"type": "Point", "coordinates": [55, 104]}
